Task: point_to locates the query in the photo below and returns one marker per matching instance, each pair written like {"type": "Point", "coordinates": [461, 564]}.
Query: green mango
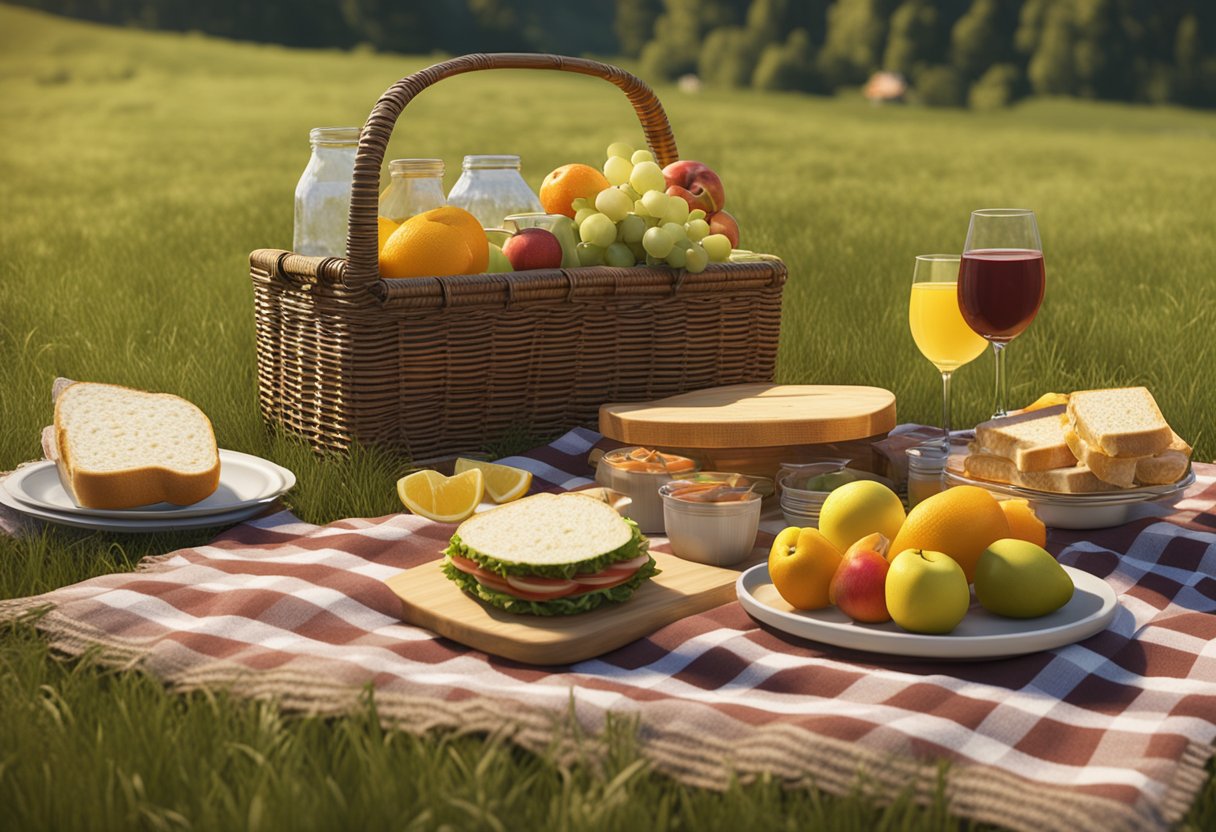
{"type": "Point", "coordinates": [1018, 579]}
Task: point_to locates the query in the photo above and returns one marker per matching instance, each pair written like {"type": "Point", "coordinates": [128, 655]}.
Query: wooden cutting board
{"type": "Point", "coordinates": [753, 416]}
{"type": "Point", "coordinates": [683, 588]}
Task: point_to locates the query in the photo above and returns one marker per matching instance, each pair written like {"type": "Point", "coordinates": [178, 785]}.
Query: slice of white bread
{"type": "Point", "coordinates": [1126, 472]}
{"type": "Point", "coordinates": [1032, 441]}
{"type": "Point", "coordinates": [1120, 422]}
{"type": "Point", "coordinates": [546, 530]}
{"type": "Point", "coordinates": [121, 448]}
{"type": "Point", "coordinates": [1075, 479]}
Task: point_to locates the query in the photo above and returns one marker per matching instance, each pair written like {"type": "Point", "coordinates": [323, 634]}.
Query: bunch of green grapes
{"type": "Point", "coordinates": [635, 221]}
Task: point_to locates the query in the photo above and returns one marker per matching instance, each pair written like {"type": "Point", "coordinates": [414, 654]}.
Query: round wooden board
{"type": "Point", "coordinates": [753, 416]}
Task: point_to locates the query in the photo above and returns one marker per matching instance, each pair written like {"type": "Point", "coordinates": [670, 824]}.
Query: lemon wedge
{"type": "Point", "coordinates": [503, 483]}
{"type": "Point", "coordinates": [443, 499]}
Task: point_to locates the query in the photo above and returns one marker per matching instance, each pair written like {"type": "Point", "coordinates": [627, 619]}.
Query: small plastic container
{"type": "Point", "coordinates": [926, 465]}
{"type": "Point", "coordinates": [717, 533]}
{"type": "Point", "coordinates": [633, 478]}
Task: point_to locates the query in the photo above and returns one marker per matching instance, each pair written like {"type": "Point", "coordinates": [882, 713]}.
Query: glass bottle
{"type": "Point", "coordinates": [490, 188]}
{"type": "Point", "coordinates": [323, 192]}
{"type": "Point", "coordinates": [415, 185]}
{"type": "Point", "coordinates": [926, 464]}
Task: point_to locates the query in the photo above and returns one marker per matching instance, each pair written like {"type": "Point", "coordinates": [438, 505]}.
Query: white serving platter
{"type": "Point", "coordinates": [245, 481]}
{"type": "Point", "coordinates": [980, 635]}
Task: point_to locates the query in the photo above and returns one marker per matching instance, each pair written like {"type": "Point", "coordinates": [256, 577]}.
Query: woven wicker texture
{"type": "Point", "coordinates": [435, 366]}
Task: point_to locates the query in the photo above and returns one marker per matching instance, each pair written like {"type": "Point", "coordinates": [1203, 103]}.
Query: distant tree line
{"type": "Point", "coordinates": [982, 53]}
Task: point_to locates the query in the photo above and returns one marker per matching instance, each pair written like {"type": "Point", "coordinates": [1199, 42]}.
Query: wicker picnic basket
{"type": "Point", "coordinates": [443, 365]}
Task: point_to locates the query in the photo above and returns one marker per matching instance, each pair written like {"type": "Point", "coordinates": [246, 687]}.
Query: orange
{"type": "Point", "coordinates": [442, 241]}
{"type": "Point", "coordinates": [801, 565]}
{"type": "Point", "coordinates": [1023, 523]}
{"type": "Point", "coordinates": [503, 483]}
{"type": "Point", "coordinates": [387, 227]}
{"type": "Point", "coordinates": [443, 499]}
{"type": "Point", "coordinates": [961, 522]}
{"type": "Point", "coordinates": [568, 183]}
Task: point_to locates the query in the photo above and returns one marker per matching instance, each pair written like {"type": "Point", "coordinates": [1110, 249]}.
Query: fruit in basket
{"type": "Point", "coordinates": [718, 246]}
{"type": "Point", "coordinates": [647, 176]}
{"type": "Point", "coordinates": [859, 587]}
{"type": "Point", "coordinates": [1017, 579]}
{"type": "Point", "coordinates": [533, 248]}
{"type": "Point", "coordinates": [442, 241]}
{"type": "Point", "coordinates": [568, 183]}
{"type": "Point", "coordinates": [498, 261]}
{"type": "Point", "coordinates": [443, 499]}
{"type": "Point", "coordinates": [614, 204]}
{"type": "Point", "coordinates": [1024, 524]}
{"type": "Point", "coordinates": [859, 508]}
{"type": "Point", "coordinates": [503, 483]}
{"type": "Point", "coordinates": [386, 228]}
{"type": "Point", "coordinates": [926, 591]}
{"type": "Point", "coordinates": [696, 184]}
{"type": "Point", "coordinates": [801, 564]}
{"type": "Point", "coordinates": [961, 521]}
{"type": "Point", "coordinates": [725, 224]}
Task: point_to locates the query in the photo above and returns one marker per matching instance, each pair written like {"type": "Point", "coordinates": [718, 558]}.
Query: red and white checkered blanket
{"type": "Point", "coordinates": [1110, 733]}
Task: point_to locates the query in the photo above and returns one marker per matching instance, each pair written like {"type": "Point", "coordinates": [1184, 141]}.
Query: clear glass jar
{"type": "Point", "coordinates": [323, 192]}
{"type": "Point", "coordinates": [415, 185]}
{"type": "Point", "coordinates": [490, 188]}
{"type": "Point", "coordinates": [926, 465]}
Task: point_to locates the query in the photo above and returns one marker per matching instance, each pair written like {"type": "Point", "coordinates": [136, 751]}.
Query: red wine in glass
{"type": "Point", "coordinates": [1000, 290]}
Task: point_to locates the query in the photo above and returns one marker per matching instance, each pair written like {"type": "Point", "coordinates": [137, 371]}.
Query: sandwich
{"type": "Point", "coordinates": [1099, 440]}
{"type": "Point", "coordinates": [118, 448]}
{"type": "Point", "coordinates": [1122, 437]}
{"type": "Point", "coordinates": [549, 554]}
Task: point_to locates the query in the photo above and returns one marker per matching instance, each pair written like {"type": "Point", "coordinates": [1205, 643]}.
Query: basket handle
{"type": "Point", "coordinates": [363, 268]}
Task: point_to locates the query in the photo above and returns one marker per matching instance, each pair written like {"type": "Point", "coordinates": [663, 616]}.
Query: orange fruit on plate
{"type": "Point", "coordinates": [801, 564]}
{"type": "Point", "coordinates": [442, 241]}
{"type": "Point", "coordinates": [1024, 524]}
{"type": "Point", "coordinates": [568, 183]}
{"type": "Point", "coordinates": [961, 521]}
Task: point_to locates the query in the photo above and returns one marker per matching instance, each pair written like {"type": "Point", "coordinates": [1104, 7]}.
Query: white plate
{"type": "Point", "coordinates": [1098, 510]}
{"type": "Point", "coordinates": [137, 526]}
{"type": "Point", "coordinates": [245, 480]}
{"type": "Point", "coordinates": [981, 635]}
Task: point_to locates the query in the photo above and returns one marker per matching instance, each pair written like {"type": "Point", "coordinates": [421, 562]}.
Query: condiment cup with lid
{"type": "Point", "coordinates": [712, 519]}
{"type": "Point", "coordinates": [638, 473]}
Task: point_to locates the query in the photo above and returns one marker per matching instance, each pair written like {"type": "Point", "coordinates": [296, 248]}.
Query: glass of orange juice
{"type": "Point", "coordinates": [937, 324]}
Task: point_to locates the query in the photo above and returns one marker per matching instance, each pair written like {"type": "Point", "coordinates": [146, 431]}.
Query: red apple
{"type": "Point", "coordinates": [696, 184]}
{"type": "Point", "coordinates": [859, 586]}
{"type": "Point", "coordinates": [533, 248]}
{"type": "Point", "coordinates": [723, 223]}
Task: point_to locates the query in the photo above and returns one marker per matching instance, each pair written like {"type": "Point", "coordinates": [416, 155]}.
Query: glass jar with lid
{"type": "Point", "coordinates": [415, 185]}
{"type": "Point", "coordinates": [490, 188]}
{"type": "Point", "coordinates": [926, 466]}
{"type": "Point", "coordinates": [323, 192]}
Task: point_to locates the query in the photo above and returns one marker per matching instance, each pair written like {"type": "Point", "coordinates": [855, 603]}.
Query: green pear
{"type": "Point", "coordinates": [498, 261]}
{"type": "Point", "coordinates": [1018, 579]}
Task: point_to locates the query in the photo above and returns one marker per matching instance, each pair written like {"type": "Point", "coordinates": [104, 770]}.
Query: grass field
{"type": "Point", "coordinates": [137, 171]}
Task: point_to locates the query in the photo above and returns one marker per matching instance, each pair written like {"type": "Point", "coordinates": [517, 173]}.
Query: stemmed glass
{"type": "Point", "coordinates": [1001, 280]}
{"type": "Point", "coordinates": [937, 323]}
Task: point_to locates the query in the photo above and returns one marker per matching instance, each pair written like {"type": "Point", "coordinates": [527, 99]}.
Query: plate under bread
{"type": "Point", "coordinates": [245, 481]}
{"type": "Point", "coordinates": [132, 526]}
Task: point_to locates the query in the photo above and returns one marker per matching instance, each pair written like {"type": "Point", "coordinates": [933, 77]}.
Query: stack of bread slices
{"type": "Point", "coordinates": [1101, 440]}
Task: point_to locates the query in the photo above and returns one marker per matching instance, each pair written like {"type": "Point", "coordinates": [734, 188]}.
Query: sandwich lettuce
{"type": "Point", "coordinates": [569, 605]}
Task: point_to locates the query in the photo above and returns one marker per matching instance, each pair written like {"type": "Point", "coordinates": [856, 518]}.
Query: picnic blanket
{"type": "Point", "coordinates": [1112, 733]}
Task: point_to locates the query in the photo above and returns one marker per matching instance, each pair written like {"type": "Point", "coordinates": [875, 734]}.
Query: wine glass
{"type": "Point", "coordinates": [937, 324]}
{"type": "Point", "coordinates": [1001, 280]}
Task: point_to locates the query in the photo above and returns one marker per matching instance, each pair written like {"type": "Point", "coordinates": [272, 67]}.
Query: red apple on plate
{"type": "Point", "coordinates": [533, 248]}
{"type": "Point", "coordinates": [696, 184]}
{"type": "Point", "coordinates": [723, 223]}
{"type": "Point", "coordinates": [859, 587]}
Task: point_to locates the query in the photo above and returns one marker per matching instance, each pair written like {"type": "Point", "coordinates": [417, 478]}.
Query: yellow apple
{"type": "Point", "coordinates": [801, 565]}
{"type": "Point", "coordinates": [926, 591]}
